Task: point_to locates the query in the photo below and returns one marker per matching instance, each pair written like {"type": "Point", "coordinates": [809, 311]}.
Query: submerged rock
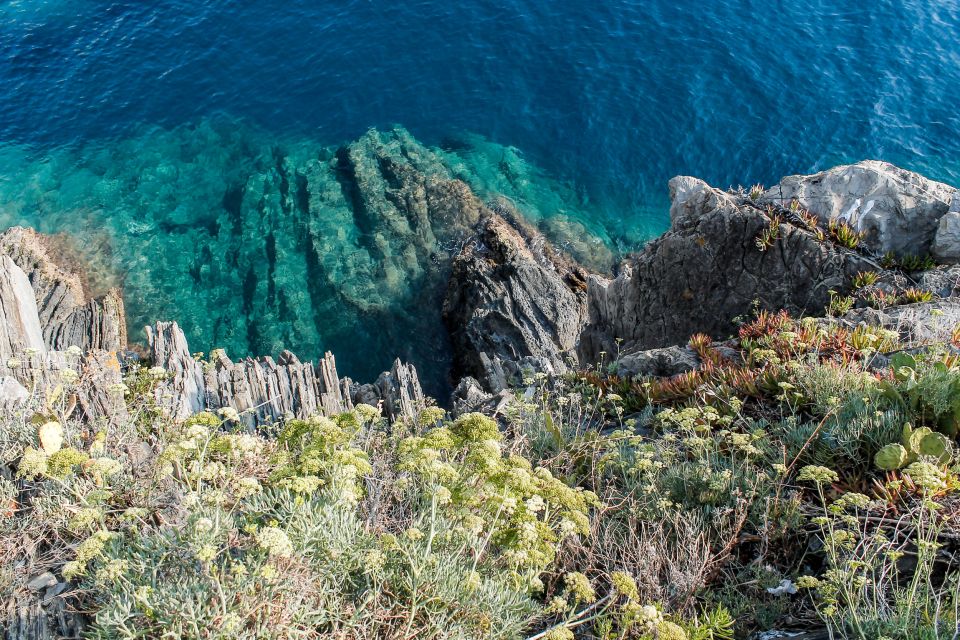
{"type": "Point", "coordinates": [513, 305]}
{"type": "Point", "coordinates": [254, 243]}
{"type": "Point", "coordinates": [898, 210]}
{"type": "Point", "coordinates": [262, 389]}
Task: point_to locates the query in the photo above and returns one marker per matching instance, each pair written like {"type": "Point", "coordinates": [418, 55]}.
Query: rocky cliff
{"type": "Point", "coordinates": [49, 332]}
{"type": "Point", "coordinates": [707, 270]}
{"type": "Point", "coordinates": [710, 267]}
{"type": "Point", "coordinates": [797, 246]}
{"type": "Point", "coordinates": [67, 313]}
{"type": "Point", "coordinates": [515, 305]}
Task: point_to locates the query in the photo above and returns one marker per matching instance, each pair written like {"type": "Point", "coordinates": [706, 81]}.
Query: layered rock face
{"type": "Point", "coordinates": [42, 313]}
{"type": "Point", "coordinates": [707, 270]}
{"type": "Point", "coordinates": [67, 315]}
{"type": "Point", "coordinates": [28, 362]}
{"type": "Point", "coordinates": [44, 309]}
{"type": "Point", "coordinates": [898, 210]}
{"type": "Point", "coordinates": [512, 304]}
{"type": "Point", "coordinates": [264, 390]}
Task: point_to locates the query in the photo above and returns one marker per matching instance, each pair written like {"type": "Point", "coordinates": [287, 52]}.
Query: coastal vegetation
{"type": "Point", "coordinates": [797, 477]}
{"type": "Point", "coordinates": [749, 430]}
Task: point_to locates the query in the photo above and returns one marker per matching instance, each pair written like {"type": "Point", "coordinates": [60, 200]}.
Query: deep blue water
{"type": "Point", "coordinates": [610, 98]}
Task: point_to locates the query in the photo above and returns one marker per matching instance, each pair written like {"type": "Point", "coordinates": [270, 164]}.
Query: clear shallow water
{"type": "Point", "coordinates": [108, 109]}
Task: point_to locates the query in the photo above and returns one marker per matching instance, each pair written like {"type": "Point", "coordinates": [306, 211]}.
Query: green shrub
{"type": "Point", "coordinates": [594, 507]}
{"type": "Point", "coordinates": [865, 279]}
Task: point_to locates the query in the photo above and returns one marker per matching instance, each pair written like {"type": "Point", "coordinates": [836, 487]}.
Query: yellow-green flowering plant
{"type": "Point", "coordinates": [515, 511]}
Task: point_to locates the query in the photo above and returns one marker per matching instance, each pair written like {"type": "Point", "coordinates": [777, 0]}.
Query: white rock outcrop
{"type": "Point", "coordinates": [20, 329]}
{"type": "Point", "coordinates": [946, 243]}
{"type": "Point", "coordinates": [898, 210]}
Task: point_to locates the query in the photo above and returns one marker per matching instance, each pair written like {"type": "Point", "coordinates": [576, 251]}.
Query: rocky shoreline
{"type": "Point", "coordinates": [515, 306]}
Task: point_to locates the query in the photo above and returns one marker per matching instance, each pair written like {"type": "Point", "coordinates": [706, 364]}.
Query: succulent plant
{"type": "Point", "coordinates": [891, 457]}
{"type": "Point", "coordinates": [915, 444]}
{"type": "Point", "coordinates": [913, 437]}
{"type": "Point", "coordinates": [936, 446]}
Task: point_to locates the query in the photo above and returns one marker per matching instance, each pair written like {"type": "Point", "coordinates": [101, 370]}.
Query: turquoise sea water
{"type": "Point", "coordinates": [162, 136]}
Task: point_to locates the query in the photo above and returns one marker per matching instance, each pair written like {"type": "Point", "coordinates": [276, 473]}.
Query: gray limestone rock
{"type": "Point", "coordinates": [707, 270]}
{"type": "Point", "coordinates": [42, 581]}
{"type": "Point", "coordinates": [69, 315]}
{"type": "Point", "coordinates": [42, 621]}
{"type": "Point", "coordinates": [664, 362]}
{"type": "Point", "coordinates": [898, 210]}
{"type": "Point", "coordinates": [943, 281]}
{"type": "Point", "coordinates": [264, 390]}
{"type": "Point", "coordinates": [400, 392]}
{"type": "Point", "coordinates": [469, 396]}
{"type": "Point", "coordinates": [920, 323]}
{"type": "Point", "coordinates": [11, 391]}
{"type": "Point", "coordinates": [512, 305]}
{"type": "Point", "coordinates": [946, 242]}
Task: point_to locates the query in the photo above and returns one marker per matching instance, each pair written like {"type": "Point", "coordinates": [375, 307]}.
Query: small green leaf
{"type": "Point", "coordinates": [554, 431]}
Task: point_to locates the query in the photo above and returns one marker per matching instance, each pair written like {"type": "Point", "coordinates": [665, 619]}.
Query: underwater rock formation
{"type": "Point", "coordinates": [254, 243]}
{"type": "Point", "coordinates": [513, 303]}
{"type": "Point", "coordinates": [898, 210]}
